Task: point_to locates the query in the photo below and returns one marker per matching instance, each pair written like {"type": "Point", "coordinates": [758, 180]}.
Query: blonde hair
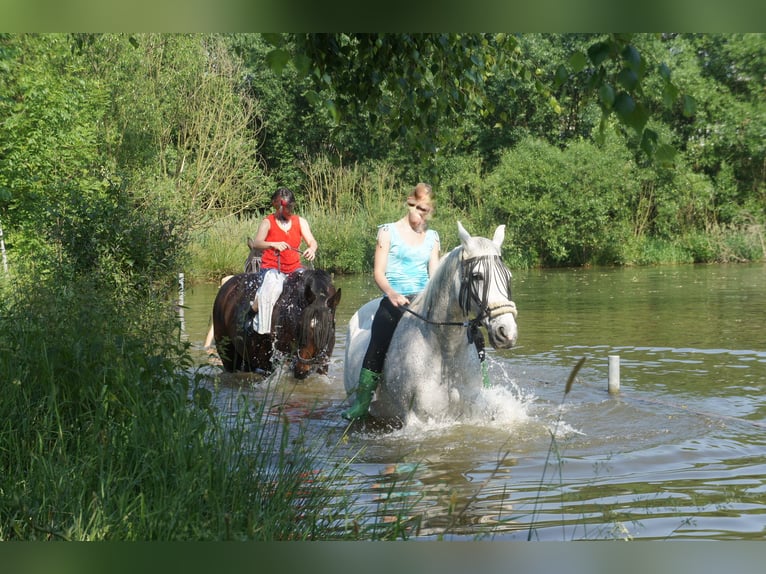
{"type": "Point", "coordinates": [422, 193]}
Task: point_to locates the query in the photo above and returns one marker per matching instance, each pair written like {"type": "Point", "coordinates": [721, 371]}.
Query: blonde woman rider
{"type": "Point", "coordinates": [406, 255]}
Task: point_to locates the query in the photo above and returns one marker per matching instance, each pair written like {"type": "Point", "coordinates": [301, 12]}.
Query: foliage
{"type": "Point", "coordinates": [562, 205]}
{"type": "Point", "coordinates": [182, 124]}
{"type": "Point", "coordinates": [727, 134]}
{"type": "Point", "coordinates": [115, 149]}
{"type": "Point", "coordinates": [49, 136]}
{"type": "Point", "coordinates": [420, 83]}
{"type": "Point", "coordinates": [195, 127]}
{"type": "Point", "coordinates": [419, 77]}
{"type": "Point", "coordinates": [109, 434]}
{"type": "Point", "coordinates": [157, 120]}
{"type": "Point", "coordinates": [110, 234]}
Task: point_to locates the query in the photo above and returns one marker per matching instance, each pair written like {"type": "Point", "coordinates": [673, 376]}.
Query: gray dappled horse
{"type": "Point", "coordinates": [434, 364]}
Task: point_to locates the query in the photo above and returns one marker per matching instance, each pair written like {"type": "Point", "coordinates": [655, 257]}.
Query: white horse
{"type": "Point", "coordinates": [434, 364]}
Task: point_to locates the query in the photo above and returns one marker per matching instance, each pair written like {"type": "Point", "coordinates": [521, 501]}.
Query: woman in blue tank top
{"type": "Point", "coordinates": [406, 254]}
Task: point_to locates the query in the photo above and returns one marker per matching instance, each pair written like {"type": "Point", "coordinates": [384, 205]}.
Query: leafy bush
{"type": "Point", "coordinates": [563, 206]}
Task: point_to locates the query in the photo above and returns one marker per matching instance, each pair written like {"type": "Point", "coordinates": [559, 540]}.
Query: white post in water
{"type": "Point", "coordinates": [181, 289]}
{"type": "Point", "coordinates": [2, 248]}
{"type": "Point", "coordinates": [614, 374]}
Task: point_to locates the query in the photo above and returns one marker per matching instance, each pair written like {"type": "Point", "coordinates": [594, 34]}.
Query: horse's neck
{"type": "Point", "coordinates": [440, 302]}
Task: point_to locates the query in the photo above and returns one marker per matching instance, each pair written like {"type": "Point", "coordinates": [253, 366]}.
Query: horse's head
{"type": "Point", "coordinates": [485, 287]}
{"type": "Point", "coordinates": [316, 333]}
{"type": "Point", "coordinates": [253, 261]}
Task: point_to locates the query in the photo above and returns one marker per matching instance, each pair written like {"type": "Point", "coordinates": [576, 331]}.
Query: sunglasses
{"type": "Point", "coordinates": [424, 210]}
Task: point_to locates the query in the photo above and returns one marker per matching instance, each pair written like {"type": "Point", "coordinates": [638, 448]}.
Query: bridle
{"type": "Point", "coordinates": [477, 268]}
{"type": "Point", "coordinates": [481, 268]}
{"type": "Point", "coordinates": [321, 316]}
{"type": "Point", "coordinates": [472, 271]}
{"type": "Point", "coordinates": [320, 359]}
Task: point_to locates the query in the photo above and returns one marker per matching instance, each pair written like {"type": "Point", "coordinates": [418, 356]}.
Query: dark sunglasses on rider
{"type": "Point", "coordinates": [424, 210]}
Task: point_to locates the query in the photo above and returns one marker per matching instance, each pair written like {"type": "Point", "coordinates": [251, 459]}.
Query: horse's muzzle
{"type": "Point", "coordinates": [501, 326]}
{"type": "Point", "coordinates": [302, 368]}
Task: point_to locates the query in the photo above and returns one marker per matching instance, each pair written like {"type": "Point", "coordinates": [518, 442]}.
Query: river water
{"type": "Point", "coordinates": [679, 452]}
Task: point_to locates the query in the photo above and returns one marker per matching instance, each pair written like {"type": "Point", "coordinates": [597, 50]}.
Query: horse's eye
{"type": "Point", "coordinates": [477, 275]}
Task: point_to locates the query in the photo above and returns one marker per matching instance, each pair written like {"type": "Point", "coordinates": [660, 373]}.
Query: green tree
{"type": "Point", "coordinates": [727, 139]}
{"type": "Point", "coordinates": [50, 151]}
{"type": "Point", "coordinates": [182, 123]}
{"type": "Point", "coordinates": [417, 82]}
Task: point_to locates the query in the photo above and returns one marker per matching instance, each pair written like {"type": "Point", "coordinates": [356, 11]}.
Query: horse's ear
{"type": "Point", "coordinates": [250, 243]}
{"type": "Point", "coordinates": [462, 233]}
{"type": "Point", "coordinates": [499, 236]}
{"type": "Point", "coordinates": [333, 301]}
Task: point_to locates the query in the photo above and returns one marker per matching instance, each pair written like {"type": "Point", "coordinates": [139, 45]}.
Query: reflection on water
{"type": "Point", "coordinates": [679, 453]}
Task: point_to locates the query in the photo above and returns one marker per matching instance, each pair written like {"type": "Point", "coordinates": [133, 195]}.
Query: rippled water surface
{"type": "Point", "coordinates": [679, 452]}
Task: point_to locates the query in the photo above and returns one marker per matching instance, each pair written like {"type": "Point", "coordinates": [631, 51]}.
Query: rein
{"type": "Point", "coordinates": [309, 265]}
{"type": "Point", "coordinates": [440, 323]}
{"type": "Point", "coordinates": [467, 294]}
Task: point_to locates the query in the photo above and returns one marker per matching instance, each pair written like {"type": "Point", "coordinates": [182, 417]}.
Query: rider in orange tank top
{"type": "Point", "coordinates": [287, 260]}
{"type": "Point", "coordinates": [279, 236]}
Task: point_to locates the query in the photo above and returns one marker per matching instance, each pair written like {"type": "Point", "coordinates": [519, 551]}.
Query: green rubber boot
{"type": "Point", "coordinates": [368, 382]}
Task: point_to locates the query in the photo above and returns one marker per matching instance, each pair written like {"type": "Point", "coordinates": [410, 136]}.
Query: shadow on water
{"type": "Point", "coordinates": [677, 453]}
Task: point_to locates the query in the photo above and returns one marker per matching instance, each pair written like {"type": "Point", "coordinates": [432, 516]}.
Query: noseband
{"type": "Point", "coordinates": [320, 359]}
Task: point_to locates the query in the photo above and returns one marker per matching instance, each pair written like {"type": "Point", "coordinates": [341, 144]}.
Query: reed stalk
{"type": "Point", "coordinates": [553, 445]}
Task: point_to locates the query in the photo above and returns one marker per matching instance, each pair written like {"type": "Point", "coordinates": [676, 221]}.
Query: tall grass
{"type": "Point", "coordinates": [107, 432]}
{"type": "Point", "coordinates": [221, 249]}
{"type": "Point", "coordinates": [345, 204]}
{"type": "Point", "coordinates": [553, 449]}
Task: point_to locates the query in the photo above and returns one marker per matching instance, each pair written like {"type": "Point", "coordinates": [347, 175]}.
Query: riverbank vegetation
{"type": "Point", "coordinates": [574, 185]}
{"type": "Point", "coordinates": [128, 158]}
{"type": "Point", "coordinates": [109, 432]}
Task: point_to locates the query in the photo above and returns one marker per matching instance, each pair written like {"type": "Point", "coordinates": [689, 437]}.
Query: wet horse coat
{"type": "Point", "coordinates": [303, 324]}
{"type": "Point", "coordinates": [433, 366]}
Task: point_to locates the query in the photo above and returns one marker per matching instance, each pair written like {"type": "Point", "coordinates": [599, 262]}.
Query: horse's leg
{"type": "Point", "coordinates": [209, 339]}
{"type": "Point", "coordinates": [430, 396]}
{"type": "Point", "coordinates": [227, 353]}
{"type": "Point", "coordinates": [414, 372]}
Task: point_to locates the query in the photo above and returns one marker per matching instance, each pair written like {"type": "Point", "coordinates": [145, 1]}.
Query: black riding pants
{"type": "Point", "coordinates": [383, 325]}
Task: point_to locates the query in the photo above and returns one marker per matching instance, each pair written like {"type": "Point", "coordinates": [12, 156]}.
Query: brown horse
{"type": "Point", "coordinates": [302, 324]}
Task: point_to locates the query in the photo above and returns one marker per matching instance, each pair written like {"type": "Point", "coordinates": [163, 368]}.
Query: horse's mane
{"type": "Point", "coordinates": [320, 280]}
{"type": "Point", "coordinates": [445, 273]}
